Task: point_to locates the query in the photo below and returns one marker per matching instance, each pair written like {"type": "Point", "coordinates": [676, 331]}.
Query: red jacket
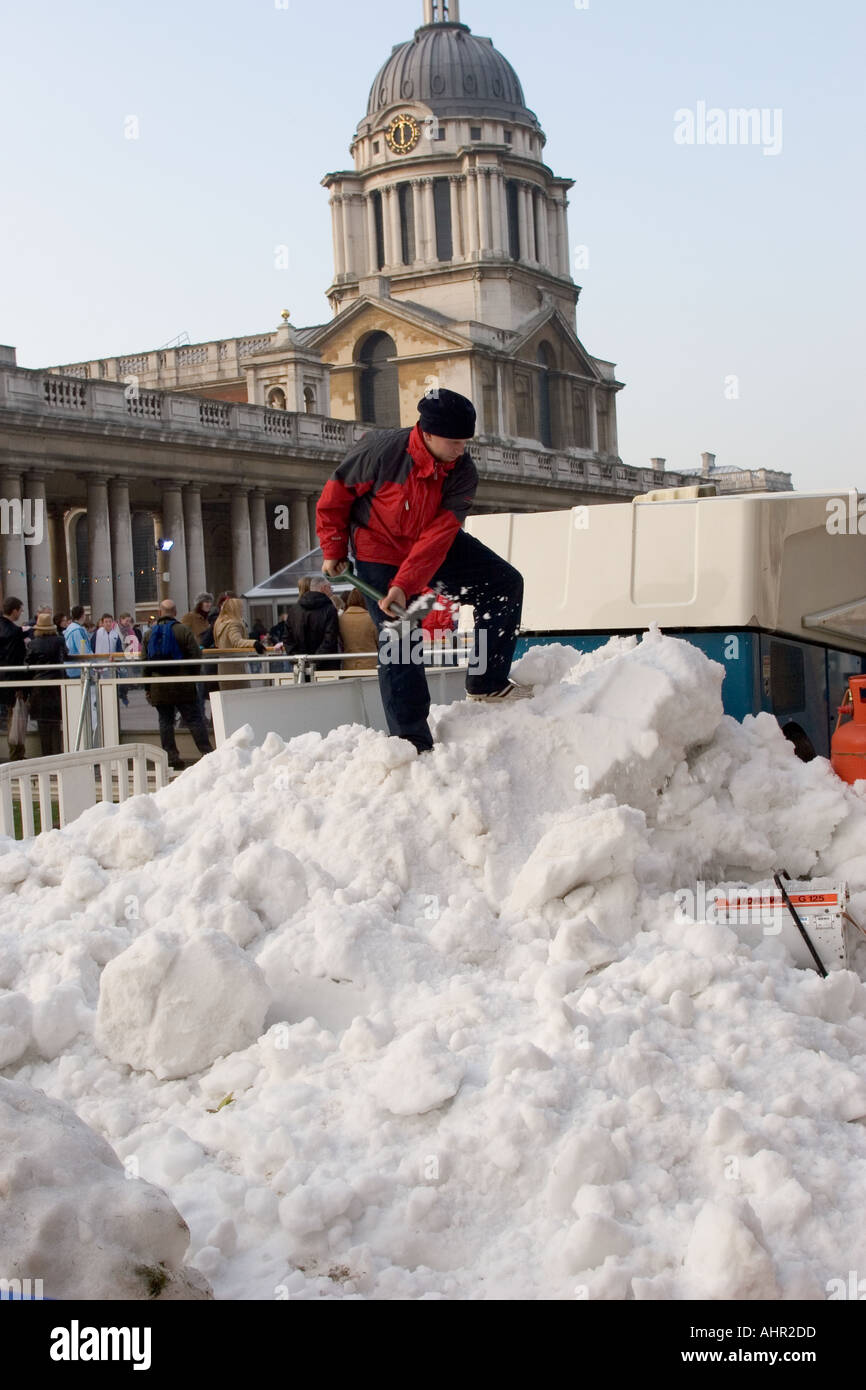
{"type": "Point", "coordinates": [398, 505]}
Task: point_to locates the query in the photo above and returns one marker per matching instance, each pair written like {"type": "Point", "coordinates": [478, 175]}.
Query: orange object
{"type": "Point", "coordinates": [848, 744]}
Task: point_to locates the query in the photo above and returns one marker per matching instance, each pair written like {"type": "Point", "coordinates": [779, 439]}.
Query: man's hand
{"type": "Point", "coordinates": [334, 568]}
{"type": "Point", "coordinates": [394, 595]}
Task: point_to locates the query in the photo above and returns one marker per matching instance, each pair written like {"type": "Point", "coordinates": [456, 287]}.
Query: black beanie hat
{"type": "Point", "coordinates": [447, 414]}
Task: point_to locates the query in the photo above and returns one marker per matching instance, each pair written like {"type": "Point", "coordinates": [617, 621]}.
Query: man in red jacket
{"type": "Point", "coordinates": [400, 499]}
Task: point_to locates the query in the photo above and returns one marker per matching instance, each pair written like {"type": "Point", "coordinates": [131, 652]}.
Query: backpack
{"type": "Point", "coordinates": [163, 645]}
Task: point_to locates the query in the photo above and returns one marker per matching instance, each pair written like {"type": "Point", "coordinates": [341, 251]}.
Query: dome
{"type": "Point", "coordinates": [452, 71]}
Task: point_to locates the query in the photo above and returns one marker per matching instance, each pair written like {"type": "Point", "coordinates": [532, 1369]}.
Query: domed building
{"type": "Point", "coordinates": [451, 253]}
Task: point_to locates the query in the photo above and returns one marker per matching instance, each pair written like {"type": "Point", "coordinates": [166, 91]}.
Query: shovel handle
{"type": "Point", "coordinates": [363, 587]}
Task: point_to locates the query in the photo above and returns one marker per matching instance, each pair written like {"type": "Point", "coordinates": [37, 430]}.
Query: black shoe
{"type": "Point", "coordinates": [178, 766]}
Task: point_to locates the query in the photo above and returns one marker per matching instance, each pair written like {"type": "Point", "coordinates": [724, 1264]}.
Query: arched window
{"type": "Point", "coordinates": [277, 398]}
{"type": "Point", "coordinates": [545, 414]}
{"type": "Point", "coordinates": [380, 391]}
{"type": "Point", "coordinates": [143, 558]}
{"type": "Point", "coordinates": [309, 401]}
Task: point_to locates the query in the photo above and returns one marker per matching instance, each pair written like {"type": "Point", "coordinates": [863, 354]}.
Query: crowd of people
{"type": "Point", "coordinates": [320, 623]}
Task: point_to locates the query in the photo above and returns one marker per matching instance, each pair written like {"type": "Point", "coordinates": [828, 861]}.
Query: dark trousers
{"type": "Point", "coordinates": [50, 736]}
{"type": "Point", "coordinates": [476, 576]}
{"type": "Point", "coordinates": [191, 714]}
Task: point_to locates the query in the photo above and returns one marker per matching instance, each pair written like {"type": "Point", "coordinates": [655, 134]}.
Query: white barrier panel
{"type": "Point", "coordinates": [70, 779]}
{"type": "Point", "coordinates": [319, 707]}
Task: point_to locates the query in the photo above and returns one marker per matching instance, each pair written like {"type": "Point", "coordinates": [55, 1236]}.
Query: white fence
{"type": "Point", "coordinates": [75, 782]}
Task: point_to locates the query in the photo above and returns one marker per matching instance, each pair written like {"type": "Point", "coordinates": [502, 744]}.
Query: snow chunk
{"type": "Point", "coordinates": [172, 1005]}
{"type": "Point", "coordinates": [417, 1074]}
{"type": "Point", "coordinates": [72, 1218]}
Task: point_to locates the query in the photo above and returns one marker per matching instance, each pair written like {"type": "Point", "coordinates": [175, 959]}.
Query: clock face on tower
{"type": "Point", "coordinates": [403, 134]}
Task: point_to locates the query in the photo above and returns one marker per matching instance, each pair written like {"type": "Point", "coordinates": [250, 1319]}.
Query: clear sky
{"type": "Point", "coordinates": [727, 284]}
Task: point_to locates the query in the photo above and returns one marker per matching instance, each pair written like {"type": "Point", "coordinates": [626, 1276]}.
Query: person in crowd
{"type": "Point", "coordinates": [131, 643]}
{"type": "Point", "coordinates": [198, 620]}
{"type": "Point", "coordinates": [129, 638]}
{"type": "Point", "coordinates": [61, 622]}
{"type": "Point", "coordinates": [75, 637]}
{"type": "Point", "coordinates": [304, 585]}
{"type": "Point", "coordinates": [13, 652]}
{"type": "Point", "coordinates": [47, 649]}
{"type": "Point", "coordinates": [107, 640]}
{"type": "Point", "coordinates": [312, 624]}
{"type": "Point", "coordinates": [230, 633]}
{"type": "Point", "coordinates": [169, 640]}
{"type": "Point", "coordinates": [358, 634]}
{"type": "Point", "coordinates": [399, 500]}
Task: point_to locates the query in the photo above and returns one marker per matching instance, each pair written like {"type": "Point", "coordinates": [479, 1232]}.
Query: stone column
{"type": "Point", "coordinates": [37, 543]}
{"type": "Point", "coordinates": [387, 229]}
{"type": "Point", "coordinates": [396, 238]}
{"type": "Point", "coordinates": [457, 251]}
{"type": "Point", "coordinates": [498, 231]}
{"type": "Point", "coordinates": [484, 209]}
{"type": "Point", "coordinates": [521, 222]}
{"type": "Point", "coordinates": [506, 230]}
{"type": "Point", "coordinates": [99, 543]}
{"type": "Point", "coordinates": [530, 222]}
{"type": "Point", "coordinates": [196, 568]}
{"type": "Point", "coordinates": [472, 212]}
{"type": "Point", "coordinates": [500, 402]}
{"type": "Point", "coordinates": [121, 545]}
{"type": "Point", "coordinates": [312, 500]}
{"type": "Point", "coordinates": [300, 526]}
{"type": "Point", "coordinates": [13, 560]}
{"type": "Point", "coordinates": [174, 560]}
{"type": "Point", "coordinates": [562, 219]}
{"type": "Point", "coordinates": [372, 244]}
{"type": "Point", "coordinates": [429, 219]}
{"type": "Point", "coordinates": [336, 224]}
{"type": "Point", "coordinates": [346, 230]}
{"type": "Point", "coordinates": [242, 542]}
{"type": "Point", "coordinates": [261, 551]}
{"type": "Point", "coordinates": [544, 247]}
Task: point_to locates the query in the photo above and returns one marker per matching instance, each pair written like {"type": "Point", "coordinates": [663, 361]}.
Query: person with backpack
{"type": "Point", "coordinates": [169, 640]}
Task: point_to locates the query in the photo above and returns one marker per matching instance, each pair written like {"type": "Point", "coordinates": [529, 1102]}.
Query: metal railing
{"type": "Point", "coordinates": [99, 673]}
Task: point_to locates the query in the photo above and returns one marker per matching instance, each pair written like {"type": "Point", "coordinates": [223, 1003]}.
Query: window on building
{"type": "Point", "coordinates": [511, 199]}
{"type": "Point", "coordinates": [489, 399]}
{"type": "Point", "coordinates": [309, 400]}
{"type": "Point", "coordinates": [440, 133]}
{"type": "Point", "coordinates": [524, 425]}
{"type": "Point", "coordinates": [545, 414]}
{"type": "Point", "coordinates": [580, 417]}
{"type": "Point", "coordinates": [379, 387]}
{"type": "Point", "coordinates": [82, 559]}
{"type": "Point", "coordinates": [375, 146]}
{"type": "Point", "coordinates": [143, 558]}
{"type": "Point", "coordinates": [380, 228]}
{"type": "Point", "coordinates": [509, 137]}
{"type": "Point", "coordinates": [475, 132]}
{"type": "Point", "coordinates": [442, 212]}
{"type": "Point", "coordinates": [407, 223]}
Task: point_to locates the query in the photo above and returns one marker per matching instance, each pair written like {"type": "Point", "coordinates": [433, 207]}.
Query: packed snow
{"type": "Point", "coordinates": [384, 1026]}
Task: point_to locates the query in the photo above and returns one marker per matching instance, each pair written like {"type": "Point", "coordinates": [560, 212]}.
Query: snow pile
{"type": "Point", "coordinates": [72, 1218]}
{"type": "Point", "coordinates": [496, 1061]}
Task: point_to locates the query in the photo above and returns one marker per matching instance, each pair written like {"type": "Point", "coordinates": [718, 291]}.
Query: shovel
{"type": "Point", "coordinates": [413, 615]}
